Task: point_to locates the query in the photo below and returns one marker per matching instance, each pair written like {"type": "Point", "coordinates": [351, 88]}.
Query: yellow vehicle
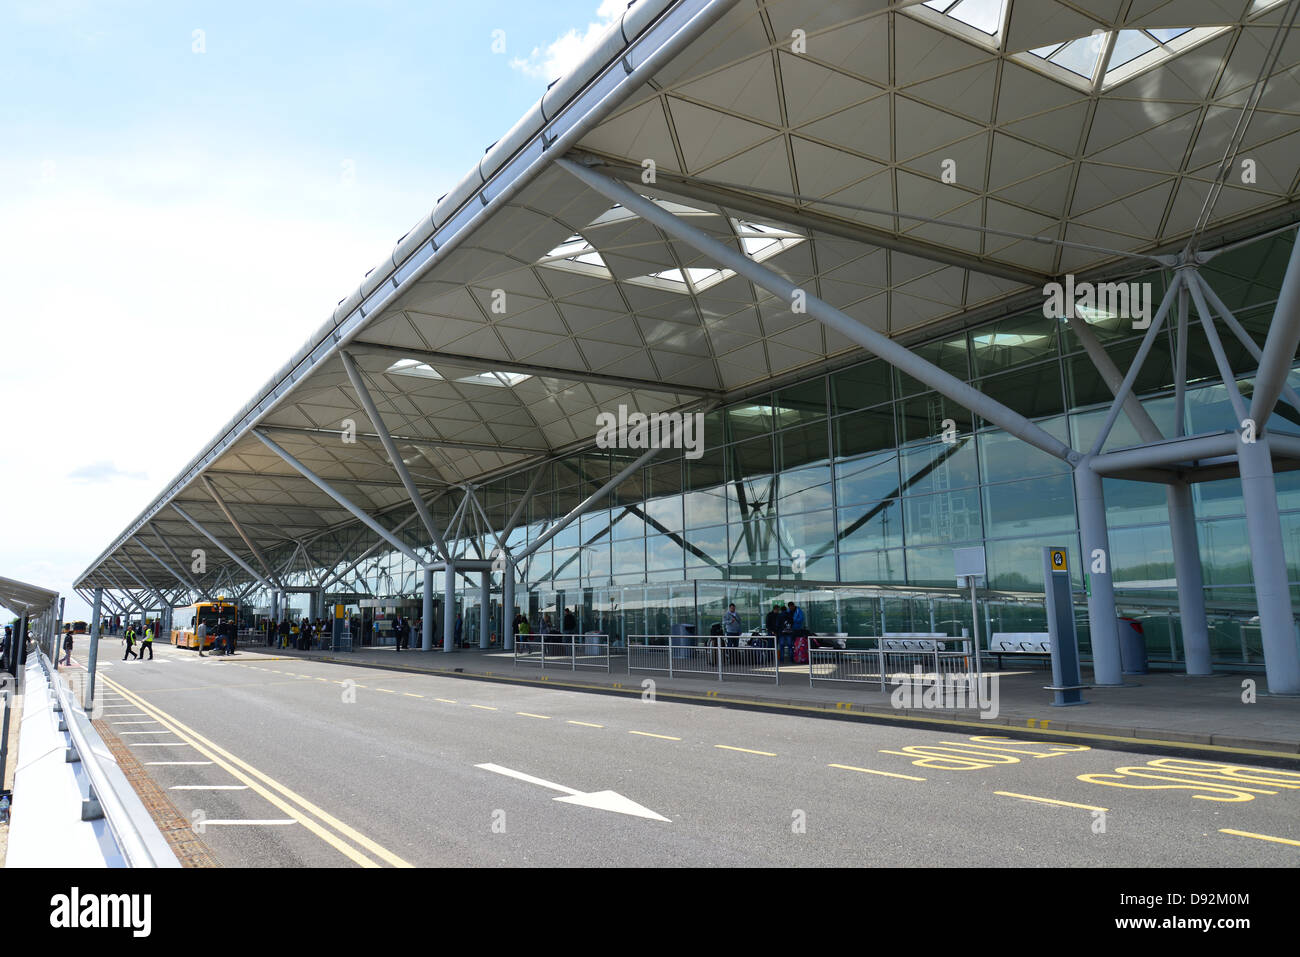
{"type": "Point", "coordinates": [208, 613]}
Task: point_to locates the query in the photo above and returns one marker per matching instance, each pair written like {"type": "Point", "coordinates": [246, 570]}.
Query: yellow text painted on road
{"type": "Point", "coordinates": [1040, 800]}
{"type": "Point", "coordinates": [883, 774]}
{"type": "Point", "coordinates": [1207, 780]}
{"type": "Point", "coordinates": [273, 791]}
{"type": "Point", "coordinates": [978, 752]}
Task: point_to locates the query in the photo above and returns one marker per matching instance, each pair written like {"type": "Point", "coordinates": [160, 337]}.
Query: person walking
{"type": "Point", "coordinates": [460, 626]}
{"type": "Point", "coordinates": [147, 644]}
{"type": "Point", "coordinates": [67, 646]}
{"type": "Point", "coordinates": [570, 622]}
{"type": "Point", "coordinates": [731, 627]}
{"type": "Point", "coordinates": [129, 638]}
{"type": "Point", "coordinates": [201, 633]}
{"type": "Point", "coordinates": [397, 633]}
{"type": "Point", "coordinates": [232, 635]}
{"type": "Point", "coordinates": [284, 633]}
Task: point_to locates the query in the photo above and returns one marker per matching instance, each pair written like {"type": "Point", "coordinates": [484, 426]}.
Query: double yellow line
{"type": "Point", "coordinates": [273, 791]}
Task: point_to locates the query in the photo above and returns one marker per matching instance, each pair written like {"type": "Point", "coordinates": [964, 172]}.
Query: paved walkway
{"type": "Point", "coordinates": [1163, 709]}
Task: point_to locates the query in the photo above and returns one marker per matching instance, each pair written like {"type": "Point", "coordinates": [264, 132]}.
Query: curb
{"type": "Point", "coordinates": [1102, 736]}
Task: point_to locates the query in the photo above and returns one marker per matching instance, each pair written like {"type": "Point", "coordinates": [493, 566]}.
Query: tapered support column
{"type": "Point", "coordinates": [508, 606]}
{"type": "Point", "coordinates": [485, 610]}
{"type": "Point", "coordinates": [1191, 586]}
{"type": "Point", "coordinates": [89, 702]}
{"type": "Point", "coordinates": [1268, 560]}
{"type": "Point", "coordinates": [1101, 591]}
{"type": "Point", "coordinates": [449, 609]}
{"type": "Point", "coordinates": [426, 618]}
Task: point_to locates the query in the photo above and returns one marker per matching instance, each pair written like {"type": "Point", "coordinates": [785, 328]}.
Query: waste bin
{"type": "Point", "coordinates": [683, 637]}
{"type": "Point", "coordinates": [1132, 646]}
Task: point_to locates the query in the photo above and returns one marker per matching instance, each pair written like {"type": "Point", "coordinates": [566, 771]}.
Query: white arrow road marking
{"type": "Point", "coordinates": [601, 800]}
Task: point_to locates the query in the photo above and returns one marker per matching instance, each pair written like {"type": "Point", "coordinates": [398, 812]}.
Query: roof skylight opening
{"type": "Point", "coordinates": [1089, 65]}
{"type": "Point", "coordinates": [413, 367]}
{"type": "Point", "coordinates": [983, 15]}
{"type": "Point", "coordinates": [498, 380]}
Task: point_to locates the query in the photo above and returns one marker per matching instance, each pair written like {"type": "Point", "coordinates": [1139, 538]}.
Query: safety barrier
{"type": "Point", "coordinates": [561, 651]}
{"type": "Point", "coordinates": [73, 782]}
{"type": "Point", "coordinates": [883, 666]}
{"type": "Point", "coordinates": [671, 655]}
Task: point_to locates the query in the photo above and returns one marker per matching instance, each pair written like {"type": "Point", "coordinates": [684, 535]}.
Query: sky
{"type": "Point", "coordinates": [187, 190]}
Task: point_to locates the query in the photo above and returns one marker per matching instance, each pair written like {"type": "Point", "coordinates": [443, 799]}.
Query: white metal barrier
{"type": "Point", "coordinates": [672, 655]}
{"type": "Point", "coordinates": [884, 666]}
{"type": "Point", "coordinates": [565, 651]}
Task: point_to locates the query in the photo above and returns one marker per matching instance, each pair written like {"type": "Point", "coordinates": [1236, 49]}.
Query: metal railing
{"type": "Point", "coordinates": [110, 792]}
{"type": "Point", "coordinates": [676, 655]}
{"type": "Point", "coordinates": [561, 651]}
{"type": "Point", "coordinates": [883, 666]}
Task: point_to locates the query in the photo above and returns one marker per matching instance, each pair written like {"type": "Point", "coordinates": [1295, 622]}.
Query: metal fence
{"type": "Point", "coordinates": [590, 652]}
{"type": "Point", "coordinates": [882, 666]}
{"type": "Point", "coordinates": [673, 655]}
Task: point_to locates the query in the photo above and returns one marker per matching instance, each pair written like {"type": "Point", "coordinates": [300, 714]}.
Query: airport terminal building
{"type": "Point", "coordinates": [775, 302]}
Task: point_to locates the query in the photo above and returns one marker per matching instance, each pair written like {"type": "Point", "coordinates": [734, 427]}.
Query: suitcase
{"type": "Point", "coordinates": [801, 650]}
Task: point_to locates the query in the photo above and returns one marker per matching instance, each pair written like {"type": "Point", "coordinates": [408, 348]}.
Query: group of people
{"type": "Point", "coordinates": [788, 624]}
{"type": "Point", "coordinates": [129, 638]}
{"type": "Point", "coordinates": [225, 634]}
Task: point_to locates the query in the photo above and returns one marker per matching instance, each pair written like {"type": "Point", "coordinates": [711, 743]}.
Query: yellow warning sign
{"type": "Point", "coordinates": [1059, 563]}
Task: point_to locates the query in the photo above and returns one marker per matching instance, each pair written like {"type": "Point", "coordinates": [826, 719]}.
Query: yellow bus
{"type": "Point", "coordinates": [207, 612]}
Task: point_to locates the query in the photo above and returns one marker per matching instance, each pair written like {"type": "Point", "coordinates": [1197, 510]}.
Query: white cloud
{"type": "Point", "coordinates": [564, 53]}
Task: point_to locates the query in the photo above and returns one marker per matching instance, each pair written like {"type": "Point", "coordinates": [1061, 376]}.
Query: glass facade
{"type": "Point", "coordinates": [862, 476]}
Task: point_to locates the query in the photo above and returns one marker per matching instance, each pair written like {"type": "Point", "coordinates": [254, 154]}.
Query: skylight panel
{"type": "Point", "coordinates": [413, 367]}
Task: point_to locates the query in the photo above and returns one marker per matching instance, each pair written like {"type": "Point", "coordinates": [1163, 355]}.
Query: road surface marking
{"type": "Point", "coordinates": [122, 734]}
{"type": "Point", "coordinates": [1260, 837]}
{"type": "Point", "coordinates": [246, 773]}
{"type": "Point", "coordinates": [124, 723]}
{"type": "Point", "coordinates": [386, 690]}
{"type": "Point", "coordinates": [483, 707]}
{"type": "Point", "coordinates": [1030, 797]}
{"type": "Point", "coordinates": [601, 800]}
{"type": "Point", "coordinates": [410, 695]}
{"type": "Point", "coordinates": [886, 774]}
{"type": "Point", "coordinates": [178, 762]}
{"type": "Point", "coordinates": [161, 744]}
{"type": "Point", "coordinates": [263, 823]}
{"type": "Point", "coordinates": [445, 700]}
{"type": "Point", "coordinates": [647, 734]}
{"type": "Point", "coordinates": [529, 714]}
{"type": "Point", "coordinates": [208, 787]}
{"type": "Point", "coordinates": [587, 724]}
{"type": "Point", "coordinates": [727, 747]}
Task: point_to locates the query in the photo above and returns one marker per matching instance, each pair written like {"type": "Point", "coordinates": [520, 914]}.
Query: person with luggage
{"type": "Point", "coordinates": [129, 638]}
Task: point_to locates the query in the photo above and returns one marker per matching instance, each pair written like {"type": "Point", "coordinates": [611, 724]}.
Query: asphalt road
{"type": "Point", "coordinates": [289, 762]}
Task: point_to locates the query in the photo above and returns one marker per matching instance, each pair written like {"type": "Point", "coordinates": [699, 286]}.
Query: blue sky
{"type": "Point", "coordinates": [157, 200]}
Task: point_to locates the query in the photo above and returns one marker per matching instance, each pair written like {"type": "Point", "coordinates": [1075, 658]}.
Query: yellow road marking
{"type": "Point", "coordinates": [587, 724]}
{"type": "Point", "coordinates": [529, 714]}
{"type": "Point", "coordinates": [238, 767]}
{"type": "Point", "coordinates": [647, 734]}
{"type": "Point", "coordinates": [1030, 797]}
{"type": "Point", "coordinates": [727, 747]}
{"type": "Point", "coordinates": [410, 695]}
{"type": "Point", "coordinates": [445, 700]}
{"type": "Point", "coordinates": [483, 707]}
{"type": "Point", "coordinates": [1260, 837]}
{"type": "Point", "coordinates": [386, 690]}
{"type": "Point", "coordinates": [887, 774]}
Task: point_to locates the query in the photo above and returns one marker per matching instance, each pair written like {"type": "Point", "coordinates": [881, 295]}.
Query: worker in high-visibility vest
{"type": "Point", "coordinates": [147, 644]}
{"type": "Point", "coordinates": [130, 643]}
